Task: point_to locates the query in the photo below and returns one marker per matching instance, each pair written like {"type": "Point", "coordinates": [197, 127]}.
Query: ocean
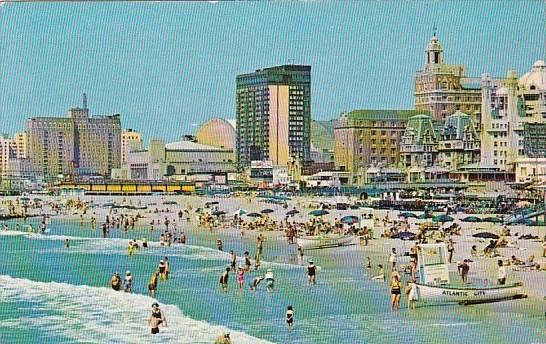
{"type": "Point", "coordinates": [53, 294]}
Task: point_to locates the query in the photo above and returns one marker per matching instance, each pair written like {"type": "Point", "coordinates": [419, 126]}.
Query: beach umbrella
{"type": "Point", "coordinates": [442, 218]}
{"type": "Point", "coordinates": [471, 219]}
{"type": "Point", "coordinates": [486, 235]}
{"type": "Point", "coordinates": [425, 216]}
{"type": "Point", "coordinates": [292, 212]}
{"type": "Point", "coordinates": [218, 213]}
{"type": "Point", "coordinates": [318, 212]}
{"type": "Point", "coordinates": [492, 220]}
{"type": "Point", "coordinates": [254, 215]}
{"type": "Point", "coordinates": [407, 215]}
{"type": "Point", "coordinates": [405, 236]}
{"type": "Point", "coordinates": [267, 211]}
{"type": "Point", "coordinates": [350, 219]}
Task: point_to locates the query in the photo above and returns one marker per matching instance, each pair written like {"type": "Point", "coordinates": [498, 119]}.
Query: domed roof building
{"type": "Point", "coordinates": [217, 132]}
{"type": "Point", "coordinates": [536, 78]}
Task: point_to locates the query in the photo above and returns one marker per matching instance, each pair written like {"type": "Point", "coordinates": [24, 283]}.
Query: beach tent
{"type": "Point", "coordinates": [350, 219]}
{"type": "Point", "coordinates": [318, 212]}
{"type": "Point", "coordinates": [486, 235]}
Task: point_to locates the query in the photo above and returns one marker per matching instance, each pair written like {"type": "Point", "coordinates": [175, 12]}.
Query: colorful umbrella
{"type": "Point", "coordinates": [318, 212]}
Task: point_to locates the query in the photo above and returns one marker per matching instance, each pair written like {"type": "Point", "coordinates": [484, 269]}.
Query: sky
{"type": "Point", "coordinates": [169, 66]}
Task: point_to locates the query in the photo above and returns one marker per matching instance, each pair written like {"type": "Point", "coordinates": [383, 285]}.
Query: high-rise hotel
{"type": "Point", "coordinates": [274, 115]}
{"type": "Point", "coordinates": [75, 145]}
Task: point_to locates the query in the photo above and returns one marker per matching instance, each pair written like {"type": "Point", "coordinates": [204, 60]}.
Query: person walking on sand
{"type": "Point", "coordinates": [157, 318]}
{"type": "Point", "coordinates": [501, 277]}
{"type": "Point", "coordinates": [290, 317]}
{"type": "Point", "coordinates": [450, 250]}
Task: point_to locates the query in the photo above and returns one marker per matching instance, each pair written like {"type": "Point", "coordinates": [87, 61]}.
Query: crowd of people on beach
{"type": "Point", "coordinates": [247, 271]}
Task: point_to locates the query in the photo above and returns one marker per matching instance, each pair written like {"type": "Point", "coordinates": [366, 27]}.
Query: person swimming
{"type": "Point", "coordinates": [157, 318]}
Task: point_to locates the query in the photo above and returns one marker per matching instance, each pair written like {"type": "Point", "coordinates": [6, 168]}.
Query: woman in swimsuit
{"type": "Point", "coordinates": [290, 317]}
{"type": "Point", "coordinates": [396, 287]}
{"type": "Point", "coordinates": [157, 318]}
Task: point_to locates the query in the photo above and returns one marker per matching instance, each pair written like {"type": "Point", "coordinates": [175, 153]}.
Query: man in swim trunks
{"type": "Point", "coordinates": [247, 262]}
{"type": "Point", "coordinates": [162, 268]}
{"type": "Point", "coordinates": [290, 317]}
{"type": "Point", "coordinates": [157, 318]}
{"type": "Point", "coordinates": [233, 259]}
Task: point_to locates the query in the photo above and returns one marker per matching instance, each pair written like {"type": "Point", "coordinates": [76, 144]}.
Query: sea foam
{"type": "Point", "coordinates": [101, 315]}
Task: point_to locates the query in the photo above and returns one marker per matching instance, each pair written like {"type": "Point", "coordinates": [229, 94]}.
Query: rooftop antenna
{"type": "Point", "coordinates": [85, 101]}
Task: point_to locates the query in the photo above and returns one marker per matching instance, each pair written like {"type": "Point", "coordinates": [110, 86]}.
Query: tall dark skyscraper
{"type": "Point", "coordinates": [274, 114]}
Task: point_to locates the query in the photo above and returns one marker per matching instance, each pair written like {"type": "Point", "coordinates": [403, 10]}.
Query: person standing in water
{"type": "Point", "coordinates": [240, 277]}
{"type": "Point", "coordinates": [128, 282]}
{"type": "Point", "coordinates": [290, 317]}
{"type": "Point", "coordinates": [152, 285]}
{"type": "Point", "coordinates": [66, 243]}
{"type": "Point", "coordinates": [167, 267]}
{"type": "Point", "coordinates": [247, 262]}
{"type": "Point", "coordinates": [233, 259]}
{"type": "Point", "coordinates": [312, 273]}
{"type": "Point", "coordinates": [224, 279]}
{"type": "Point", "coordinates": [157, 318]}
{"type": "Point", "coordinates": [381, 275]}
{"type": "Point", "coordinates": [115, 282]}
{"type": "Point", "coordinates": [162, 268]}
{"type": "Point", "coordinates": [219, 244]}
{"type": "Point", "coordinates": [392, 259]}
{"type": "Point", "coordinates": [301, 253]}
{"type": "Point", "coordinates": [396, 288]}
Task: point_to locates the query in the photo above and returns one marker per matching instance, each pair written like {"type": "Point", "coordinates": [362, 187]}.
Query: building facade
{"type": "Point", "coordinates": [365, 138]}
{"type": "Point", "coordinates": [441, 89]}
{"type": "Point", "coordinates": [418, 147]}
{"type": "Point", "coordinates": [512, 116]}
{"type": "Point", "coordinates": [459, 142]}
{"type": "Point", "coordinates": [274, 115]}
{"type": "Point", "coordinates": [75, 145]}
{"type": "Point", "coordinates": [176, 160]}
{"type": "Point", "coordinates": [130, 140]}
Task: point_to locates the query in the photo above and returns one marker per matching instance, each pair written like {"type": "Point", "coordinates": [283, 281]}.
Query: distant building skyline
{"type": "Point", "coordinates": [167, 71]}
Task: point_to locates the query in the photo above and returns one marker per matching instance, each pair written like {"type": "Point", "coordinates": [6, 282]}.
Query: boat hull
{"type": "Point", "coordinates": [323, 241]}
{"type": "Point", "coordinates": [446, 294]}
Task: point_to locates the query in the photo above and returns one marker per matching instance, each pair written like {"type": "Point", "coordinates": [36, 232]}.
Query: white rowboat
{"type": "Point", "coordinates": [448, 294]}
